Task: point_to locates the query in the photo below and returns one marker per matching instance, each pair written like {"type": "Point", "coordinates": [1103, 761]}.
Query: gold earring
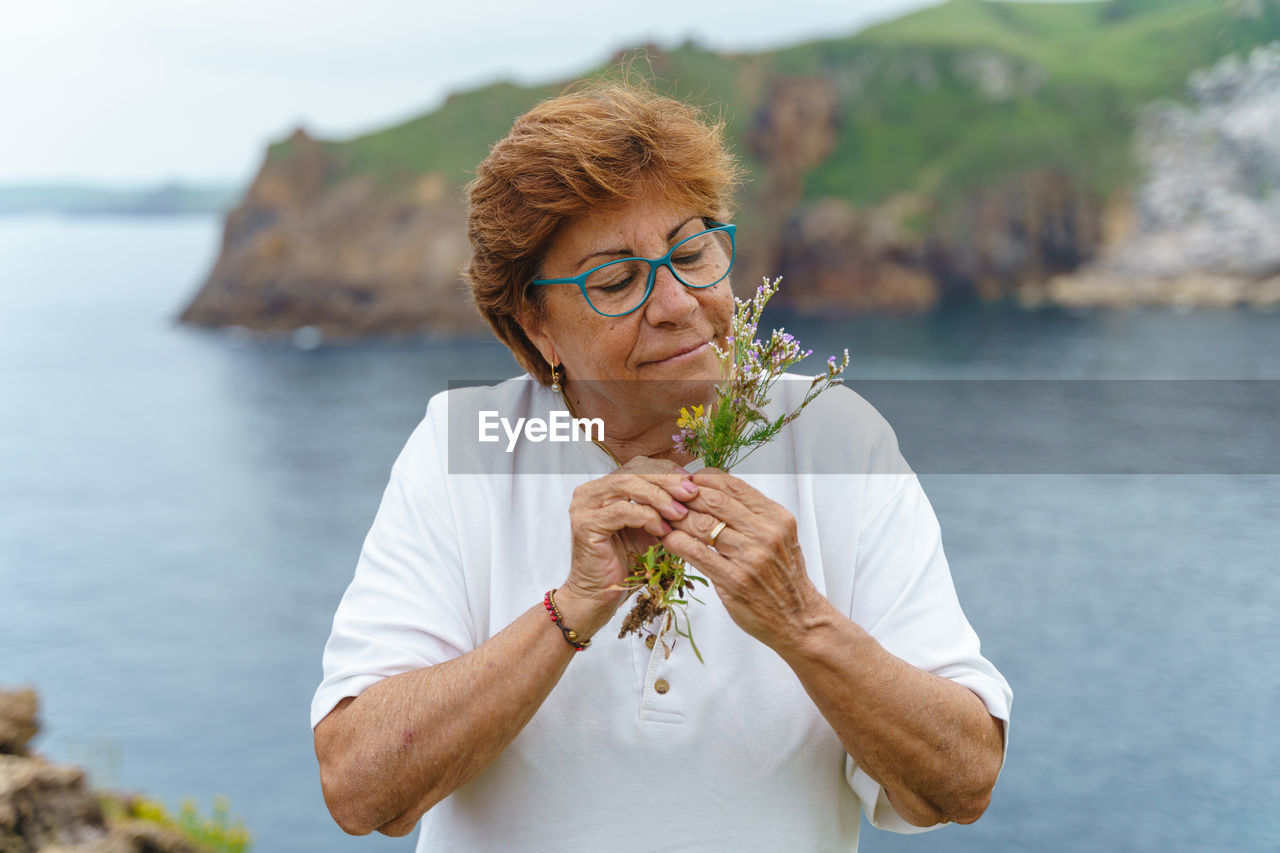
{"type": "Point", "coordinates": [555, 378]}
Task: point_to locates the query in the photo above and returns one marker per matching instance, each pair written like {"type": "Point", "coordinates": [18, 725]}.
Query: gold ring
{"type": "Point", "coordinates": [716, 531]}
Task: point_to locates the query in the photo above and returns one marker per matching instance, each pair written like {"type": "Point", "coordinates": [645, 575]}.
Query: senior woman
{"type": "Point", "coordinates": [840, 678]}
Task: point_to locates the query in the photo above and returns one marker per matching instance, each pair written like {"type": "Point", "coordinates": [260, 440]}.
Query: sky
{"type": "Point", "coordinates": [133, 92]}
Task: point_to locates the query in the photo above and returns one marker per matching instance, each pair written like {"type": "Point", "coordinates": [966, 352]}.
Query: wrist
{"type": "Point", "coordinates": [807, 626]}
{"type": "Point", "coordinates": [585, 614]}
{"type": "Point", "coordinates": [572, 637]}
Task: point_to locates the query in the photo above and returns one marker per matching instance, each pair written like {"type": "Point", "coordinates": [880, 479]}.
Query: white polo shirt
{"type": "Point", "coordinates": [734, 754]}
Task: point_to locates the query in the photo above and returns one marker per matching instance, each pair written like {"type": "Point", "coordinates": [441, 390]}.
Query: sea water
{"type": "Point", "coordinates": [181, 510]}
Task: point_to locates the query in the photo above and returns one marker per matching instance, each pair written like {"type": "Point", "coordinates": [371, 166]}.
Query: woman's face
{"type": "Point", "coordinates": [663, 343]}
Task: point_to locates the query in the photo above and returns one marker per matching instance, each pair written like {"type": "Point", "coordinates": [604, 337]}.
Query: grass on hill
{"type": "Point", "coordinates": [917, 110]}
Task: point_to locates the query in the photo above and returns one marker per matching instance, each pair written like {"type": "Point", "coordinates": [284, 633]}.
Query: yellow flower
{"type": "Point", "coordinates": [687, 420]}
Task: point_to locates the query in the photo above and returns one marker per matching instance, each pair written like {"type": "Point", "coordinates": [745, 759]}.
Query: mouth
{"type": "Point", "coordinates": [687, 353]}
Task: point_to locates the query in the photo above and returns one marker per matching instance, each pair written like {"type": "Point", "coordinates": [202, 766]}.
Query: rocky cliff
{"type": "Point", "coordinates": [1206, 216]}
{"type": "Point", "coordinates": [971, 151]}
{"type": "Point", "coordinates": [309, 246]}
{"type": "Point", "coordinates": [49, 808]}
{"type": "Point", "coordinates": [1002, 240]}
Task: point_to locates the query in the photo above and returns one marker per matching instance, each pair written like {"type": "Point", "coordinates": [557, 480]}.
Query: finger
{"type": "Point", "coordinates": [636, 541]}
{"type": "Point", "coordinates": [658, 491]}
{"type": "Point", "coordinates": [622, 515]}
{"type": "Point", "coordinates": [722, 506]}
{"type": "Point", "coordinates": [745, 509]}
{"type": "Point", "coordinates": [738, 489]}
{"type": "Point", "coordinates": [700, 526]}
{"type": "Point", "coordinates": [664, 473]}
{"type": "Point", "coordinates": [694, 551]}
{"type": "Point", "coordinates": [668, 475]}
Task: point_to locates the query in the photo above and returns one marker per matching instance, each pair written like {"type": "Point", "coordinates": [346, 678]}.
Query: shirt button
{"type": "Point", "coordinates": [651, 640]}
{"type": "Point", "coordinates": [661, 685]}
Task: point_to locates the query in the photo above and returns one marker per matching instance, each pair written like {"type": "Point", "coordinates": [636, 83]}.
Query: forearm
{"type": "Point", "coordinates": [407, 742]}
{"type": "Point", "coordinates": [928, 740]}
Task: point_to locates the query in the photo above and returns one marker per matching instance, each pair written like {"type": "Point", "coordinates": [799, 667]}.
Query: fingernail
{"type": "Point", "coordinates": [679, 509]}
{"type": "Point", "coordinates": [690, 488]}
{"type": "Point", "coordinates": [666, 528]}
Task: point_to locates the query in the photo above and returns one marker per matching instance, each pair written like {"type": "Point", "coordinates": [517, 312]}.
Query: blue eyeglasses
{"type": "Point", "coordinates": [620, 287]}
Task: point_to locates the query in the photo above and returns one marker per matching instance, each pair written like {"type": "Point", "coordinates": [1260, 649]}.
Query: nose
{"type": "Point", "coordinates": [670, 301]}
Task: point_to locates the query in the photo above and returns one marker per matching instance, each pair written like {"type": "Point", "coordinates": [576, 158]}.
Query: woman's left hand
{"type": "Point", "coordinates": [756, 564]}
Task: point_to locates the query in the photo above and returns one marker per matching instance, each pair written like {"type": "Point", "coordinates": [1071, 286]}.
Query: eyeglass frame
{"type": "Point", "coordinates": [654, 265]}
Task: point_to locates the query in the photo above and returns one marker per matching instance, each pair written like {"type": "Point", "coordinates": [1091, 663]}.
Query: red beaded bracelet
{"type": "Point", "coordinates": [571, 637]}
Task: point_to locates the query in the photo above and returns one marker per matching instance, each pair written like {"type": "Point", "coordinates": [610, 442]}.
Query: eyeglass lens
{"type": "Point", "coordinates": [700, 261]}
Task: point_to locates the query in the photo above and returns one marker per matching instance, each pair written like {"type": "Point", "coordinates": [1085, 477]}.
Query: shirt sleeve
{"type": "Point", "coordinates": [406, 607]}
{"type": "Point", "coordinates": [903, 596]}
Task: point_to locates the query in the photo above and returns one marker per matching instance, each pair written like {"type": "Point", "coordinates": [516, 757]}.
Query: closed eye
{"type": "Point", "coordinates": [623, 277]}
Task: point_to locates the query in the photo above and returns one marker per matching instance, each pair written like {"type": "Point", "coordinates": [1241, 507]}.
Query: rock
{"type": "Point", "coordinates": [1015, 234]}
{"type": "Point", "coordinates": [43, 804]}
{"type": "Point", "coordinates": [1098, 289]}
{"type": "Point", "coordinates": [347, 257]}
{"type": "Point", "coordinates": [18, 723]}
{"type": "Point", "coordinates": [845, 262]}
{"type": "Point", "coordinates": [1210, 201]}
{"type": "Point", "coordinates": [1005, 239]}
{"type": "Point", "coordinates": [131, 837]}
{"type": "Point", "coordinates": [795, 128]}
{"type": "Point", "coordinates": [143, 837]}
{"type": "Point", "coordinates": [109, 844]}
{"type": "Point", "coordinates": [1266, 294]}
{"type": "Point", "coordinates": [49, 808]}
{"type": "Point", "coordinates": [1205, 229]}
{"type": "Point", "coordinates": [997, 76]}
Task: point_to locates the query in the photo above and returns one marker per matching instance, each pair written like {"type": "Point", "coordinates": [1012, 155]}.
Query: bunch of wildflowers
{"type": "Point", "coordinates": [736, 425]}
{"type": "Point", "coordinates": [728, 432]}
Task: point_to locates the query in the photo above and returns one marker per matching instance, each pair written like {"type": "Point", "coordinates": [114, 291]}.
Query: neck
{"type": "Point", "coordinates": [629, 432]}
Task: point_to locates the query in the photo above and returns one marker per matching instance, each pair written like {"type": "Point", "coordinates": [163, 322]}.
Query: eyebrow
{"type": "Point", "coordinates": [627, 252]}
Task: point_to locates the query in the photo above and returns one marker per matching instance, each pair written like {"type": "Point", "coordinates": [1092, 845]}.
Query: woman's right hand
{"type": "Point", "coordinates": [610, 518]}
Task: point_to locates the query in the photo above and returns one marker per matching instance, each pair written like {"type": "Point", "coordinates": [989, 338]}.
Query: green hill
{"type": "Point", "coordinates": [971, 150]}
{"type": "Point", "coordinates": [932, 102]}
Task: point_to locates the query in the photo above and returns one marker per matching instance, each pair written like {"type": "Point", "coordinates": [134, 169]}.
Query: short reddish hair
{"type": "Point", "coordinates": [595, 148]}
